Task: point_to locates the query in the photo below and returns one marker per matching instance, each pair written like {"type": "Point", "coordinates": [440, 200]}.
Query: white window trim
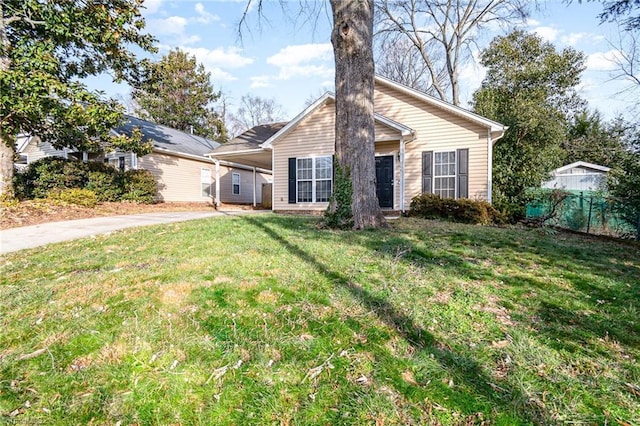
{"type": "Point", "coordinates": [203, 181]}
{"type": "Point", "coordinates": [233, 184]}
{"type": "Point", "coordinates": [454, 176]}
{"type": "Point", "coordinates": [314, 180]}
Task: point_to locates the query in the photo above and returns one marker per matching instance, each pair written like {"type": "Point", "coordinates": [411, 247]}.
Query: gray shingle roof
{"type": "Point", "coordinates": [250, 139]}
{"type": "Point", "coordinates": [164, 137]}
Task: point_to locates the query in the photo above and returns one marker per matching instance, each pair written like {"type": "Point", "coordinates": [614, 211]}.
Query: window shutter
{"type": "Point", "coordinates": [292, 180]}
{"type": "Point", "coordinates": [427, 171]}
{"type": "Point", "coordinates": [463, 172]}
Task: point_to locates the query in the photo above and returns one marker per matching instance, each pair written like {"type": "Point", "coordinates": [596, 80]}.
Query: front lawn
{"type": "Point", "coordinates": [268, 320]}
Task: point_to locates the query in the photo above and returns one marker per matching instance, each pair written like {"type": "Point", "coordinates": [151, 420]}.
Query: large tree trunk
{"type": "Point", "coordinates": [6, 146]}
{"type": "Point", "coordinates": [355, 153]}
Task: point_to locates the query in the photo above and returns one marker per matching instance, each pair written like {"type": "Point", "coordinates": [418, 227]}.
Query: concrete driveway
{"type": "Point", "coordinates": [25, 237]}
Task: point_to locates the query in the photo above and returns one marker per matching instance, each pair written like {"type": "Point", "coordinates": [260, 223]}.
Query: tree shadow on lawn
{"type": "Point", "coordinates": [458, 364]}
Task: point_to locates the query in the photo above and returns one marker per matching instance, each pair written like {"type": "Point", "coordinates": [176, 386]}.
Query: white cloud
{"type": "Point", "coordinates": [301, 54]}
{"type": "Point", "coordinates": [573, 38]}
{"type": "Point", "coordinates": [547, 33]}
{"type": "Point", "coordinates": [204, 17]}
{"type": "Point", "coordinates": [532, 23]}
{"type": "Point", "coordinates": [230, 57]}
{"type": "Point", "coordinates": [305, 60]}
{"type": "Point", "coordinates": [151, 6]}
{"type": "Point", "coordinates": [168, 26]}
{"type": "Point", "coordinates": [260, 81]}
{"type": "Point", "coordinates": [603, 61]}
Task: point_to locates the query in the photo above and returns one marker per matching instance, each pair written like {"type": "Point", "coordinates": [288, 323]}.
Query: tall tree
{"type": "Point", "coordinates": [352, 40]}
{"type": "Point", "coordinates": [592, 139]}
{"type": "Point", "coordinates": [253, 111]}
{"type": "Point", "coordinates": [45, 48]}
{"type": "Point", "coordinates": [178, 93]}
{"type": "Point", "coordinates": [531, 88]}
{"type": "Point", "coordinates": [449, 27]}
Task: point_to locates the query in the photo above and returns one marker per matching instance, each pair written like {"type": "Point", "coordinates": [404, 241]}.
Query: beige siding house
{"type": "Point", "coordinates": [422, 144]}
{"type": "Point", "coordinates": [183, 172]}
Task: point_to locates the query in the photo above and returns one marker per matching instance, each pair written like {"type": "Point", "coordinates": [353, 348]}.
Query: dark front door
{"type": "Point", "coordinates": [384, 180]}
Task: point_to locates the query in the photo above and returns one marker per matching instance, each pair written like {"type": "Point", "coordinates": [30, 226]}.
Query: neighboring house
{"type": "Point", "coordinates": [177, 161]}
{"type": "Point", "coordinates": [422, 144]}
{"type": "Point", "coordinates": [578, 176]}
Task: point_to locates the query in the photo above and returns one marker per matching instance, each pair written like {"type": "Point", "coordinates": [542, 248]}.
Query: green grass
{"type": "Point", "coordinates": [268, 320]}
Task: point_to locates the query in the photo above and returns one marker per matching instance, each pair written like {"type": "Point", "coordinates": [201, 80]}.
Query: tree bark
{"type": "Point", "coordinates": [7, 149]}
{"type": "Point", "coordinates": [352, 37]}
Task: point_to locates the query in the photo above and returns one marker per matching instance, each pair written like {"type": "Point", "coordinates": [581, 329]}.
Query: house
{"type": "Point", "coordinates": [177, 161]}
{"type": "Point", "coordinates": [422, 144]}
{"type": "Point", "coordinates": [578, 176]}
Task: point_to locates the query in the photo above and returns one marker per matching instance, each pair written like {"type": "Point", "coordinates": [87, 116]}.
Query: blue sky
{"type": "Point", "coordinates": [291, 60]}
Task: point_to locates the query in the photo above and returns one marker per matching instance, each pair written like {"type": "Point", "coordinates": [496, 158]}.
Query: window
{"type": "Point", "coordinates": [313, 179]}
{"type": "Point", "coordinates": [444, 174]}
{"type": "Point", "coordinates": [121, 163]}
{"type": "Point", "coordinates": [235, 183]}
{"type": "Point", "coordinates": [205, 182]}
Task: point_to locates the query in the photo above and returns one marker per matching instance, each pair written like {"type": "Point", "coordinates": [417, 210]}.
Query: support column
{"type": "Point", "coordinates": [217, 163]}
{"type": "Point", "coordinates": [254, 187]}
{"type": "Point", "coordinates": [402, 151]}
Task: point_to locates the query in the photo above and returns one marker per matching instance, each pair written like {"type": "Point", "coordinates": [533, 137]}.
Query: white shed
{"type": "Point", "coordinates": [578, 176]}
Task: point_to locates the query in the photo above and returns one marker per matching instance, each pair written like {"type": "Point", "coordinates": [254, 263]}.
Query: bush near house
{"type": "Point", "coordinates": [431, 206]}
{"type": "Point", "coordinates": [47, 177]}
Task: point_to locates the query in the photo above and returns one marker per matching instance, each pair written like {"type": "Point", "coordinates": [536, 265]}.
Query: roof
{"type": "Point", "coordinates": [471, 116]}
{"type": "Point", "coordinates": [250, 139]}
{"type": "Point", "coordinates": [583, 164]}
{"type": "Point", "coordinates": [167, 139]}
{"type": "Point", "coordinates": [328, 96]}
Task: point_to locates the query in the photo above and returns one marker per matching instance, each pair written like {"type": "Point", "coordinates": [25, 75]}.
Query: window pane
{"type": "Point", "coordinates": [305, 192]}
{"type": "Point", "coordinates": [323, 191]}
{"type": "Point", "coordinates": [324, 168]}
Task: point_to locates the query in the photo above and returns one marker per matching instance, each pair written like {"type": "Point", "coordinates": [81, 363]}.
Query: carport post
{"type": "Point", "coordinates": [254, 186]}
{"type": "Point", "coordinates": [217, 162]}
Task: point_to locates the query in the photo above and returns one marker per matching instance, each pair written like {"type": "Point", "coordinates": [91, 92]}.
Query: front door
{"type": "Point", "coordinates": [384, 181]}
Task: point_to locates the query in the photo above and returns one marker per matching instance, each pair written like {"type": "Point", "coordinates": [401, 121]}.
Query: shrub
{"type": "Point", "coordinates": [77, 196]}
{"type": "Point", "coordinates": [106, 181]}
{"type": "Point", "coordinates": [140, 186]}
{"type": "Point", "coordinates": [431, 206]}
{"type": "Point", "coordinates": [53, 174]}
{"type": "Point", "coordinates": [49, 174]}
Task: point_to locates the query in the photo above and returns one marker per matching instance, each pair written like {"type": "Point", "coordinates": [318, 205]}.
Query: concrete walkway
{"type": "Point", "coordinates": [25, 237]}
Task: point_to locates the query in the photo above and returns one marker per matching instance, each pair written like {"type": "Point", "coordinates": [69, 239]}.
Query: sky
{"type": "Point", "coordinates": [289, 58]}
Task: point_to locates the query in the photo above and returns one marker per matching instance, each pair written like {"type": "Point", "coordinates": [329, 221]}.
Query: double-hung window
{"type": "Point", "coordinates": [235, 183]}
{"type": "Point", "coordinates": [314, 179]}
{"type": "Point", "coordinates": [444, 174]}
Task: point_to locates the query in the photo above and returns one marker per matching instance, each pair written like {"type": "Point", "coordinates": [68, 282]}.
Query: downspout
{"type": "Point", "coordinates": [490, 143]}
{"type": "Point", "coordinates": [217, 201]}
{"type": "Point", "coordinates": [402, 151]}
{"type": "Point", "coordinates": [273, 181]}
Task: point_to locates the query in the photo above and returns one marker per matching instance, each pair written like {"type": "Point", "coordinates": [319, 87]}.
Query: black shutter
{"type": "Point", "coordinates": [292, 181]}
{"type": "Point", "coordinates": [427, 171]}
{"type": "Point", "coordinates": [463, 172]}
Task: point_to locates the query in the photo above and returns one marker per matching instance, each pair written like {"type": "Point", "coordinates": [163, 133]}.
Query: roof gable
{"type": "Point", "coordinates": [438, 103]}
{"type": "Point", "coordinates": [322, 101]}
{"type": "Point", "coordinates": [582, 164]}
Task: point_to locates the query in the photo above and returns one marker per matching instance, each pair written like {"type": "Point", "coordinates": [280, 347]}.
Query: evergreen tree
{"type": "Point", "coordinates": [178, 93]}
{"type": "Point", "coordinates": [529, 87]}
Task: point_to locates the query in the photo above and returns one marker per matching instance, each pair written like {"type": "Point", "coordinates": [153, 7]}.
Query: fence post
{"type": "Point", "coordinates": [589, 217]}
